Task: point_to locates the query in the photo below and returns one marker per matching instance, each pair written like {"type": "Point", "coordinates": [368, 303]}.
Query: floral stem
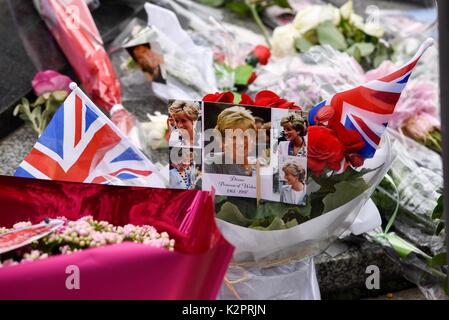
{"type": "Point", "coordinates": [396, 209]}
{"type": "Point", "coordinates": [255, 14]}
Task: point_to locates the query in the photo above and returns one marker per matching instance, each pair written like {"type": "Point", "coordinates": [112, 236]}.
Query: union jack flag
{"type": "Point", "coordinates": [81, 144]}
{"type": "Point", "coordinates": [368, 108]}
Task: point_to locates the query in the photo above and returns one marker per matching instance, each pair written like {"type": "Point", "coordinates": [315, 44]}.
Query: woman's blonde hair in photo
{"type": "Point", "coordinates": [295, 169]}
{"type": "Point", "coordinates": [190, 108]}
{"type": "Point", "coordinates": [297, 122]}
{"type": "Point", "coordinates": [234, 117]}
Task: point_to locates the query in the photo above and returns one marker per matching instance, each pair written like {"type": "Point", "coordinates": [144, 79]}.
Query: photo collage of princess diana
{"type": "Point", "coordinates": [238, 150]}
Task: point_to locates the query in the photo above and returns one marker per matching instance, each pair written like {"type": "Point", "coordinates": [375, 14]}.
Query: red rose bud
{"type": "Point", "coordinates": [267, 98]}
{"type": "Point", "coordinates": [262, 53]}
{"type": "Point", "coordinates": [219, 56]}
{"type": "Point", "coordinates": [356, 160]}
{"type": "Point", "coordinates": [252, 78]}
{"type": "Point", "coordinates": [225, 97]}
{"type": "Point", "coordinates": [325, 114]}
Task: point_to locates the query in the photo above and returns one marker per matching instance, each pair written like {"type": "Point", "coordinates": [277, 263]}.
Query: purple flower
{"type": "Point", "coordinates": [50, 81]}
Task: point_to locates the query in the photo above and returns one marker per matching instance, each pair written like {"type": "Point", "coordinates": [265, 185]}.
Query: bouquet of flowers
{"type": "Point", "coordinates": [83, 47]}
{"type": "Point", "coordinates": [126, 242]}
{"type": "Point", "coordinates": [344, 172]}
{"type": "Point", "coordinates": [308, 78]}
{"type": "Point", "coordinates": [74, 236]}
{"type": "Point", "coordinates": [341, 28]}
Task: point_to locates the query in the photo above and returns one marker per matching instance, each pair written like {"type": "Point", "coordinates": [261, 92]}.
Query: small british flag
{"type": "Point", "coordinates": [81, 144]}
{"type": "Point", "coordinates": [368, 108]}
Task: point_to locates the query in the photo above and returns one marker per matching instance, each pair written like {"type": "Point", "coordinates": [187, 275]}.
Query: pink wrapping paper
{"type": "Point", "coordinates": [124, 271]}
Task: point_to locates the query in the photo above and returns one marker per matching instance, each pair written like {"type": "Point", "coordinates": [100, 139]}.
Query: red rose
{"type": "Point", "coordinates": [324, 115]}
{"type": "Point", "coordinates": [266, 98]}
{"type": "Point", "coordinates": [351, 139]}
{"type": "Point", "coordinates": [324, 150]}
{"type": "Point", "coordinates": [262, 53]}
{"type": "Point", "coordinates": [225, 97]}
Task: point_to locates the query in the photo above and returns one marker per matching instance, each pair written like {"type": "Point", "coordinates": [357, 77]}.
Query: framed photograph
{"type": "Point", "coordinates": [245, 151]}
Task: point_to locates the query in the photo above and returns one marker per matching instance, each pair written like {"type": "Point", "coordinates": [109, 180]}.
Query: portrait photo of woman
{"type": "Point", "coordinates": [184, 172]}
{"type": "Point", "coordinates": [238, 150]}
{"type": "Point", "coordinates": [294, 189]}
{"type": "Point", "coordinates": [295, 132]}
{"type": "Point", "coordinates": [184, 124]}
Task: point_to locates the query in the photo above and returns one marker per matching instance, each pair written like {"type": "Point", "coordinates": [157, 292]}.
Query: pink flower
{"type": "Point", "coordinates": [419, 126]}
{"type": "Point", "coordinates": [50, 81]}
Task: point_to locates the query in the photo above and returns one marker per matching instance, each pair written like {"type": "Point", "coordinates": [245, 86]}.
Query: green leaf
{"type": "Point", "coordinates": [378, 59]}
{"type": "Point", "coordinates": [328, 33]}
{"type": "Point", "coordinates": [59, 95]}
{"type": "Point", "coordinates": [439, 260]}
{"type": "Point", "coordinates": [39, 101]}
{"type": "Point", "coordinates": [438, 211]}
{"type": "Point", "coordinates": [237, 7]}
{"type": "Point", "coordinates": [230, 212]}
{"type": "Point", "coordinates": [440, 227]}
{"type": "Point", "coordinates": [402, 247]}
{"type": "Point", "coordinates": [213, 3]}
{"type": "Point", "coordinates": [364, 48]}
{"type": "Point", "coordinates": [345, 191]}
{"type": "Point", "coordinates": [242, 74]}
{"type": "Point", "coordinates": [302, 44]}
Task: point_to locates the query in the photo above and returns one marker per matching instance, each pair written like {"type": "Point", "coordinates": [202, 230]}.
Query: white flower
{"type": "Point", "coordinates": [357, 21]}
{"type": "Point", "coordinates": [155, 130]}
{"type": "Point", "coordinates": [312, 16]}
{"type": "Point", "coordinates": [283, 40]}
{"type": "Point", "coordinates": [373, 29]}
{"type": "Point", "coordinates": [346, 10]}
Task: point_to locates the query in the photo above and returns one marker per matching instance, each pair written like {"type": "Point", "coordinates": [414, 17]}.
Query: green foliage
{"type": "Point", "coordinates": [242, 74]}
{"type": "Point", "coordinates": [39, 113]}
{"type": "Point", "coordinates": [329, 34]}
{"type": "Point", "coordinates": [335, 190]}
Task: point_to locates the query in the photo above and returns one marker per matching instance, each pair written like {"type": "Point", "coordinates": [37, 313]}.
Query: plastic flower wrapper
{"type": "Point", "coordinates": [236, 51]}
{"type": "Point", "coordinates": [412, 201]}
{"type": "Point", "coordinates": [344, 169]}
{"type": "Point", "coordinates": [413, 185]}
{"type": "Point", "coordinates": [83, 47]}
{"type": "Point", "coordinates": [341, 28]}
{"type": "Point", "coordinates": [189, 66]}
{"type": "Point", "coordinates": [308, 78]}
{"type": "Point", "coordinates": [194, 270]}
